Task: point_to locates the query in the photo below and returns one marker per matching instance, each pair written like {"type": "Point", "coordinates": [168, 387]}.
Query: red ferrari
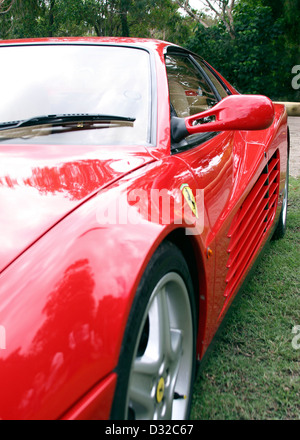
{"type": "Point", "coordinates": [137, 189]}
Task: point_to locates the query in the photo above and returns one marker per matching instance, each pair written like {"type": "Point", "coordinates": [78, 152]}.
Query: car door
{"type": "Point", "coordinates": [193, 88]}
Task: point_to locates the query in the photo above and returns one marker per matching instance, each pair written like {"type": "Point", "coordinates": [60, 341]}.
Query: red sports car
{"type": "Point", "coordinates": [137, 189]}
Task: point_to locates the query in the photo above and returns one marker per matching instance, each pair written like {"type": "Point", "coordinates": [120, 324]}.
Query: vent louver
{"type": "Point", "coordinates": [251, 223]}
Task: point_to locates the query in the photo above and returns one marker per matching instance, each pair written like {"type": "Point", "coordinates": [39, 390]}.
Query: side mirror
{"type": "Point", "coordinates": [235, 112]}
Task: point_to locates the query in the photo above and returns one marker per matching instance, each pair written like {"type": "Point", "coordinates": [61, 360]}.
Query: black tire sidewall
{"type": "Point", "coordinates": [281, 225]}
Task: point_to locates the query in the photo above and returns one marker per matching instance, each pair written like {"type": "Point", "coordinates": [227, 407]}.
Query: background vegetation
{"type": "Point", "coordinates": [253, 43]}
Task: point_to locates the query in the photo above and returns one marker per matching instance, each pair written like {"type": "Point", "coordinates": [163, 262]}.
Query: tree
{"type": "Point", "coordinates": [5, 6]}
{"type": "Point", "coordinates": [135, 18]}
{"type": "Point", "coordinates": [24, 18]}
{"type": "Point", "coordinates": [222, 11]}
{"type": "Point", "coordinates": [289, 11]}
{"type": "Point", "coordinates": [260, 57]}
{"type": "Point", "coordinates": [123, 18]}
{"type": "Point", "coordinates": [103, 17]}
{"type": "Point", "coordinates": [159, 19]}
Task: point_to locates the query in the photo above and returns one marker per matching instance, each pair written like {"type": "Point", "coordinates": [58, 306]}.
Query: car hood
{"type": "Point", "coordinates": [39, 185]}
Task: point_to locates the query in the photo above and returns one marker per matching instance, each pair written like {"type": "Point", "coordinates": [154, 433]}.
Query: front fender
{"type": "Point", "coordinates": [65, 301]}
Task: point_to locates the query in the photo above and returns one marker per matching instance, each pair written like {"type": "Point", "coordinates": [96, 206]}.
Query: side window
{"type": "Point", "coordinates": [190, 93]}
{"type": "Point", "coordinates": [217, 84]}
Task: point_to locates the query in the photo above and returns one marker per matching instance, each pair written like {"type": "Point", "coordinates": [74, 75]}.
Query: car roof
{"type": "Point", "coordinates": [143, 43]}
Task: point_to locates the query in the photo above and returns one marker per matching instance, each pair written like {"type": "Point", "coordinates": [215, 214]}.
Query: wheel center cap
{"type": "Point", "coordinates": [160, 390]}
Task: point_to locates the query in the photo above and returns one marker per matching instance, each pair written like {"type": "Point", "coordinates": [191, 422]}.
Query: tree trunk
{"type": "Point", "coordinates": [51, 18]}
{"type": "Point", "coordinates": [124, 20]}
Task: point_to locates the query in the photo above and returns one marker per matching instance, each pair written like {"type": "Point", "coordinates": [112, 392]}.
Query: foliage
{"type": "Point", "coordinates": [221, 10]}
{"type": "Point", "coordinates": [289, 11]}
{"type": "Point", "coordinates": [5, 6]}
{"type": "Point", "coordinates": [260, 57]}
{"type": "Point", "coordinates": [136, 18]}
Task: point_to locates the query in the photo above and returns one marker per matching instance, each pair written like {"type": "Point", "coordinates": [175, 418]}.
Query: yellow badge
{"type": "Point", "coordinates": [189, 197]}
{"type": "Point", "coordinates": [160, 390]}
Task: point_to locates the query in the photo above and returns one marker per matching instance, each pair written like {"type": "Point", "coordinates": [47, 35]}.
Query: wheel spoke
{"type": "Point", "coordinates": [140, 398]}
{"type": "Point", "coordinates": [170, 339]}
{"type": "Point", "coordinates": [176, 347]}
{"type": "Point", "coordinates": [164, 330]}
{"type": "Point", "coordinates": [146, 366]}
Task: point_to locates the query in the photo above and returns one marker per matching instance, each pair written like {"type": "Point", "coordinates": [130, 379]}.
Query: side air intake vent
{"type": "Point", "coordinates": [251, 222]}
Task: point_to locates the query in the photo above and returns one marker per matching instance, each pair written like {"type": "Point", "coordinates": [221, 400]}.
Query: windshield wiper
{"type": "Point", "coordinates": [61, 119]}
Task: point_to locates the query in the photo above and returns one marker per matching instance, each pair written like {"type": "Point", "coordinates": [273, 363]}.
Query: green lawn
{"type": "Point", "coordinates": [253, 371]}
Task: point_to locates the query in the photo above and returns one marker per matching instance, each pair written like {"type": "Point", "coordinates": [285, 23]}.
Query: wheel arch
{"type": "Point", "coordinates": [193, 256]}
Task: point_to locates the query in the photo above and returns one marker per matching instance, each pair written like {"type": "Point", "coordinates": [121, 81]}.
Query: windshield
{"type": "Point", "coordinates": [41, 80]}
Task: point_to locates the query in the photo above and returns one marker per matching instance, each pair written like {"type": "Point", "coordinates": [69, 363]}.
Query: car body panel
{"type": "Point", "coordinates": [65, 326]}
{"type": "Point", "coordinates": [96, 404]}
{"type": "Point", "coordinates": [45, 183]}
{"type": "Point", "coordinates": [78, 231]}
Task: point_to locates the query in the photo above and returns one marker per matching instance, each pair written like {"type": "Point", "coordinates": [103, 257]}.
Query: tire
{"type": "Point", "coordinates": [157, 362]}
{"type": "Point", "coordinates": [281, 225]}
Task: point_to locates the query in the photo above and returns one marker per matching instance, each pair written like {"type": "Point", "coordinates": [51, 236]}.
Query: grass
{"type": "Point", "coordinates": [253, 371]}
